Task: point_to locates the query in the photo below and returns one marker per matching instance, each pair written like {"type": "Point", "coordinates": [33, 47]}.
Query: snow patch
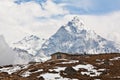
{"type": "Point", "coordinates": [13, 69]}
{"type": "Point", "coordinates": [58, 69]}
{"type": "Point", "coordinates": [90, 70]}
{"type": "Point", "coordinates": [115, 58]}
{"type": "Point", "coordinates": [26, 74]}
{"type": "Point", "coordinates": [54, 76]}
{"type": "Point", "coordinates": [71, 61]}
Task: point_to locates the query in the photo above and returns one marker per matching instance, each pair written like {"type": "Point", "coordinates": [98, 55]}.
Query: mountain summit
{"type": "Point", "coordinates": [74, 38]}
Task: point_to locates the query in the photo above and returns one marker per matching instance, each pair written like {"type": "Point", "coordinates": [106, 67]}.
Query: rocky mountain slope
{"type": "Point", "coordinates": [89, 67]}
{"type": "Point", "coordinates": [75, 38]}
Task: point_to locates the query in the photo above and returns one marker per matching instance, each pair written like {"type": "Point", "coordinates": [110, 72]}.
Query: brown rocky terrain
{"type": "Point", "coordinates": [88, 67]}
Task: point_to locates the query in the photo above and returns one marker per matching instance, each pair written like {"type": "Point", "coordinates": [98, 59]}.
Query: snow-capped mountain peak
{"type": "Point", "coordinates": [31, 37]}
{"type": "Point", "coordinates": [75, 25]}
{"type": "Point", "coordinates": [31, 44]}
{"type": "Point", "coordinates": [27, 49]}
{"type": "Point", "coordinates": [75, 38]}
{"type": "Point", "coordinates": [77, 21]}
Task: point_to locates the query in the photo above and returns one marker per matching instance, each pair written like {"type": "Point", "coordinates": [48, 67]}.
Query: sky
{"type": "Point", "coordinates": [19, 18]}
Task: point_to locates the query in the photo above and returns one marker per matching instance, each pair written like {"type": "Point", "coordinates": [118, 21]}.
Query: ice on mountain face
{"type": "Point", "coordinates": [78, 23]}
{"type": "Point", "coordinates": [22, 57]}
{"type": "Point", "coordinates": [75, 25]}
{"type": "Point", "coordinates": [75, 38]}
{"type": "Point", "coordinates": [6, 53]}
{"type": "Point", "coordinates": [27, 48]}
{"type": "Point", "coordinates": [31, 44]}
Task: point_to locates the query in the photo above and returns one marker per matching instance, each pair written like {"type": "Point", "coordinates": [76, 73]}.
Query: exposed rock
{"type": "Point", "coordinates": [70, 71]}
{"type": "Point", "coordinates": [41, 78]}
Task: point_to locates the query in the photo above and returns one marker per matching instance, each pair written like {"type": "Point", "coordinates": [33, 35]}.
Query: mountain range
{"type": "Point", "coordinates": [74, 37]}
{"type": "Point", "coordinates": [31, 44]}
{"type": "Point", "coordinates": [28, 48]}
{"type": "Point", "coordinates": [71, 38]}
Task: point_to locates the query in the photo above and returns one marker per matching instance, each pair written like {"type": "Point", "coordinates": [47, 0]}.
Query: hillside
{"type": "Point", "coordinates": [88, 67]}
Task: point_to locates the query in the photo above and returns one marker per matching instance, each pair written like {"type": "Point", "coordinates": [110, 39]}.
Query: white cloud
{"type": "Point", "coordinates": [18, 20]}
{"type": "Point", "coordinates": [53, 8]}
{"type": "Point", "coordinates": [6, 54]}
{"type": "Point", "coordinates": [85, 4]}
{"type": "Point", "coordinates": [106, 25]}
{"type": "Point", "coordinates": [82, 4]}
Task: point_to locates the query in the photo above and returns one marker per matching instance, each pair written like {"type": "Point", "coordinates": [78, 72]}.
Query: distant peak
{"type": "Point", "coordinates": [34, 36]}
{"type": "Point", "coordinates": [31, 37]}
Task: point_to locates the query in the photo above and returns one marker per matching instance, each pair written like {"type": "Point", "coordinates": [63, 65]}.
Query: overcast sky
{"type": "Point", "coordinates": [19, 18]}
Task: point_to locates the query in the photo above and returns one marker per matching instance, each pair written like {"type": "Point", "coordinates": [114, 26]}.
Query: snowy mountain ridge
{"type": "Point", "coordinates": [71, 38]}
{"type": "Point", "coordinates": [27, 49]}
{"type": "Point", "coordinates": [75, 38]}
{"type": "Point", "coordinates": [31, 44]}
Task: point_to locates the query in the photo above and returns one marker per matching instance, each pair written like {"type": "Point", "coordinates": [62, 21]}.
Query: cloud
{"type": "Point", "coordinates": [54, 9]}
{"type": "Point", "coordinates": [94, 7]}
{"type": "Point", "coordinates": [18, 20]}
{"type": "Point", "coordinates": [6, 54]}
{"type": "Point", "coordinates": [106, 25]}
{"type": "Point", "coordinates": [77, 5]}
{"type": "Point", "coordinates": [82, 4]}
